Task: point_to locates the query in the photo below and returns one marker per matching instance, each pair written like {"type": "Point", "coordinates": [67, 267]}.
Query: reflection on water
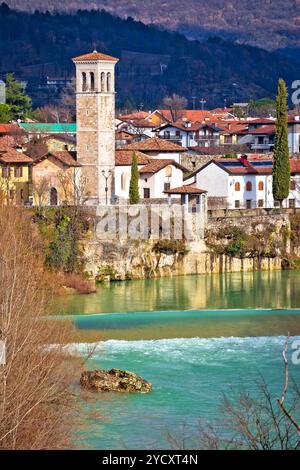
{"type": "Point", "coordinates": [227, 291]}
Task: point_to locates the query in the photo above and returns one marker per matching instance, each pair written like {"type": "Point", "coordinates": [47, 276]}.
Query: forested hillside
{"type": "Point", "coordinates": [153, 62]}
{"type": "Point", "coordinates": [271, 24]}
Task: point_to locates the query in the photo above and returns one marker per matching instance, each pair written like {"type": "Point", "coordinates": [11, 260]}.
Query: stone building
{"type": "Point", "coordinates": [95, 109]}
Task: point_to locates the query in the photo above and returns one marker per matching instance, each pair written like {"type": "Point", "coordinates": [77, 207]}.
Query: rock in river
{"type": "Point", "coordinates": [114, 380]}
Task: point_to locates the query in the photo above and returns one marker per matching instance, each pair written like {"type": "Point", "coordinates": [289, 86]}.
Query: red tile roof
{"type": "Point", "coordinates": [141, 123]}
{"type": "Point", "coordinates": [124, 157]}
{"type": "Point", "coordinates": [137, 115]}
{"type": "Point", "coordinates": [95, 56]}
{"type": "Point", "coordinates": [10, 129]}
{"type": "Point", "coordinates": [263, 130]}
{"type": "Point", "coordinates": [295, 166]}
{"type": "Point", "coordinates": [186, 189]}
{"type": "Point", "coordinates": [194, 126]}
{"type": "Point", "coordinates": [155, 145]}
{"type": "Point", "coordinates": [158, 164]}
{"type": "Point", "coordinates": [66, 157]}
{"type": "Point", "coordinates": [262, 121]}
{"type": "Point", "coordinates": [10, 155]}
{"type": "Point", "coordinates": [197, 115]}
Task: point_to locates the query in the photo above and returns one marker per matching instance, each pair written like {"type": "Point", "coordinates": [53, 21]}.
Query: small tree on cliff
{"type": "Point", "coordinates": [134, 196]}
{"type": "Point", "coordinates": [281, 164]}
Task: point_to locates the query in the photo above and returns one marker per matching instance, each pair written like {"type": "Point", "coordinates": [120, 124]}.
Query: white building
{"type": "Point", "coordinates": [190, 134]}
{"type": "Point", "coordinates": [156, 175]}
{"type": "Point", "coordinates": [242, 183]}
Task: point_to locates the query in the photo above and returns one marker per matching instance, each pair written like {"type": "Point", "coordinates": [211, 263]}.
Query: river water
{"type": "Point", "coordinates": [194, 338]}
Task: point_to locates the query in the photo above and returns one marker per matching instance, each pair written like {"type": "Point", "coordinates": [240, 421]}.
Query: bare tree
{"type": "Point", "coordinates": [68, 98]}
{"type": "Point", "coordinates": [73, 185]}
{"type": "Point", "coordinates": [40, 191]}
{"type": "Point", "coordinates": [37, 404]}
{"type": "Point", "coordinates": [175, 104]}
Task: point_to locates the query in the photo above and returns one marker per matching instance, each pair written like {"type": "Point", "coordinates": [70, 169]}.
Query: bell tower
{"type": "Point", "coordinates": [95, 111]}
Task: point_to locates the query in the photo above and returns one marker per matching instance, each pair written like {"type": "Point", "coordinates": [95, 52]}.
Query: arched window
{"type": "Point", "coordinates": [92, 78]}
{"type": "Point", "coordinates": [261, 186]}
{"type": "Point", "coordinates": [84, 84]}
{"type": "Point", "coordinates": [237, 186]}
{"type": "Point", "coordinates": [102, 81]}
{"type": "Point", "coordinates": [108, 82]}
{"type": "Point", "coordinates": [53, 197]}
{"type": "Point", "coordinates": [168, 171]}
{"type": "Point", "coordinates": [248, 186]}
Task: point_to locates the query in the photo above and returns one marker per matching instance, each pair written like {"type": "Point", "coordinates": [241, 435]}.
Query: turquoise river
{"type": "Point", "coordinates": [194, 338]}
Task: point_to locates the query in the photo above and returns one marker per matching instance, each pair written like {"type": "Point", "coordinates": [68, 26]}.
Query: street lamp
{"type": "Point", "coordinates": [106, 175]}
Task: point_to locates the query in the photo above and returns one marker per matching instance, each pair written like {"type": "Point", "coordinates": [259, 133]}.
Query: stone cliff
{"type": "Point", "coordinates": [230, 244]}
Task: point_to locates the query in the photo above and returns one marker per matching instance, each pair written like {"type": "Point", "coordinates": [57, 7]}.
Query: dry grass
{"type": "Point", "coordinates": [79, 283]}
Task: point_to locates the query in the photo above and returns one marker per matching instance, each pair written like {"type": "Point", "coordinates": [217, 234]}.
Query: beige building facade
{"type": "Point", "coordinates": [95, 103]}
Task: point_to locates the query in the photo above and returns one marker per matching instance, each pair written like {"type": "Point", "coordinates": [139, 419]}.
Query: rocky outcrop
{"type": "Point", "coordinates": [114, 380]}
{"type": "Point", "coordinates": [268, 243]}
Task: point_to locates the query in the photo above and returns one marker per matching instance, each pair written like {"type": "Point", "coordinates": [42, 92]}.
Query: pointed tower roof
{"type": "Point", "coordinates": [95, 55]}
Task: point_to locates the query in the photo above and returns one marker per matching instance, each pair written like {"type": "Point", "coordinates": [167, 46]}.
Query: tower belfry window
{"type": "Point", "coordinates": [102, 81]}
{"type": "Point", "coordinates": [92, 77]}
{"type": "Point", "coordinates": [108, 80]}
{"type": "Point", "coordinates": [84, 84]}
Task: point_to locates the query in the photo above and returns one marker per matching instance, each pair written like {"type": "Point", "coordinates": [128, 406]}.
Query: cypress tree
{"type": "Point", "coordinates": [16, 98]}
{"type": "Point", "coordinates": [134, 196]}
{"type": "Point", "coordinates": [281, 163]}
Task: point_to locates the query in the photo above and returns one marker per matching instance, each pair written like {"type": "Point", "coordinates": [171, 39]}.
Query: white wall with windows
{"type": "Point", "coordinates": [243, 191]}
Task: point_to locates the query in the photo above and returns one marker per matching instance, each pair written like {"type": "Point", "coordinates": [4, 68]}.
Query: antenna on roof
{"type": "Point", "coordinates": [202, 102]}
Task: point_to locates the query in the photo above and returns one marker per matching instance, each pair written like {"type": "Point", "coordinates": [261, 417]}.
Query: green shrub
{"type": "Point", "coordinates": [169, 247]}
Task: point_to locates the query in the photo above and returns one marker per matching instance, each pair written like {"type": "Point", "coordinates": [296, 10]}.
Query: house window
{"type": "Point", "coordinates": [5, 172]}
{"type": "Point", "coordinates": [167, 186]}
{"type": "Point", "coordinates": [248, 186]}
{"type": "Point", "coordinates": [237, 186]}
{"type": "Point", "coordinates": [228, 139]}
{"type": "Point", "coordinates": [167, 134]}
{"type": "Point", "coordinates": [22, 195]}
{"type": "Point", "coordinates": [146, 193]}
{"type": "Point", "coordinates": [18, 172]}
{"type": "Point", "coordinates": [292, 203]}
{"type": "Point", "coordinates": [168, 171]}
{"type": "Point", "coordinates": [260, 203]}
{"type": "Point", "coordinates": [248, 204]}
{"type": "Point", "coordinates": [237, 204]}
{"type": "Point", "coordinates": [276, 203]}
{"type": "Point", "coordinates": [92, 78]}
{"type": "Point", "coordinates": [123, 181]}
{"type": "Point", "coordinates": [177, 134]}
{"type": "Point", "coordinates": [292, 185]}
{"type": "Point", "coordinates": [261, 186]}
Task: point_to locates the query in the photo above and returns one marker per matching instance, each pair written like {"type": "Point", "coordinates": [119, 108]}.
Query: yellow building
{"type": "Point", "coordinates": [14, 176]}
